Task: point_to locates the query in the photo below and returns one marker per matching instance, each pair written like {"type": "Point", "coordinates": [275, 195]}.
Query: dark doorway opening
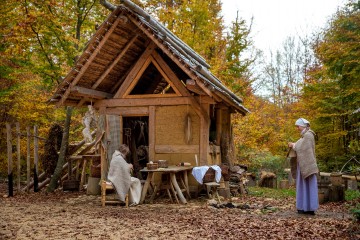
{"type": "Point", "coordinates": [136, 136]}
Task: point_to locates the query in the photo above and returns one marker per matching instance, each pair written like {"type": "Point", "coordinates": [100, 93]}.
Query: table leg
{"type": "Point", "coordinates": [146, 186]}
{"type": "Point", "coordinates": [177, 188]}
{"type": "Point", "coordinates": [186, 183]}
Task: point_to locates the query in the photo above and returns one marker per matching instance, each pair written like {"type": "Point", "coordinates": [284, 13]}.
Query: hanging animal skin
{"type": "Point", "coordinates": [88, 120]}
{"type": "Point", "coordinates": [188, 129]}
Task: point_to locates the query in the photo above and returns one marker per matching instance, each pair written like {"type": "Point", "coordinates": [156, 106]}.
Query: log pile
{"type": "Point", "coordinates": [238, 179]}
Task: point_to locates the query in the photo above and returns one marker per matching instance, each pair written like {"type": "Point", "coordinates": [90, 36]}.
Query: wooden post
{"type": "Point", "coordinates": [152, 139]}
{"type": "Point", "coordinates": [28, 157]}
{"type": "Point", "coordinates": [18, 155]}
{"type": "Point", "coordinates": [219, 123]}
{"type": "Point", "coordinates": [9, 156]}
{"type": "Point", "coordinates": [204, 135]}
{"type": "Point", "coordinates": [36, 158]}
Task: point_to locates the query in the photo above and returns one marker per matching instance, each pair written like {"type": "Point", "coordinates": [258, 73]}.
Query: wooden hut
{"type": "Point", "coordinates": [152, 92]}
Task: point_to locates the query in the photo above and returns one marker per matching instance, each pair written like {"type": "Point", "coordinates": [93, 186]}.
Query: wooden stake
{"type": "Point", "coordinates": [18, 155]}
{"type": "Point", "coordinates": [28, 157]}
{"type": "Point", "coordinates": [36, 158]}
{"type": "Point", "coordinates": [9, 153]}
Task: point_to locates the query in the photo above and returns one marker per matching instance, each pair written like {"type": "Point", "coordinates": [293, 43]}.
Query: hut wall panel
{"type": "Point", "coordinates": [170, 125]}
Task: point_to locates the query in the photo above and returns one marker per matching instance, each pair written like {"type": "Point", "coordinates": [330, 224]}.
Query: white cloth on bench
{"type": "Point", "coordinates": [199, 173]}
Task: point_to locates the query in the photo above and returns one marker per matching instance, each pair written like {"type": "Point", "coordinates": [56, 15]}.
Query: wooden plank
{"type": "Point", "coordinates": [113, 64]}
{"type": "Point", "coordinates": [135, 70]}
{"type": "Point", "coordinates": [177, 149]}
{"type": "Point", "coordinates": [88, 62]}
{"type": "Point", "coordinates": [152, 136]}
{"type": "Point", "coordinates": [90, 93]}
{"type": "Point", "coordinates": [128, 111]}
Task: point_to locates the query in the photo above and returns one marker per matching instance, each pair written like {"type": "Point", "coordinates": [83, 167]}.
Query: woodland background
{"type": "Point", "coordinates": [316, 77]}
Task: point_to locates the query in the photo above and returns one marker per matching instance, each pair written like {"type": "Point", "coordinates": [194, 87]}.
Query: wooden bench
{"type": "Point", "coordinates": [211, 189]}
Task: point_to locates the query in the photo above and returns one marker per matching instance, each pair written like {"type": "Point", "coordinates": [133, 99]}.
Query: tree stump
{"type": "Point", "coordinates": [336, 193]}
{"type": "Point", "coordinates": [284, 184]}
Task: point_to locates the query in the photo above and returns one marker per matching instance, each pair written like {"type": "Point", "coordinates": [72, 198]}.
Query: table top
{"type": "Point", "coordinates": [168, 169]}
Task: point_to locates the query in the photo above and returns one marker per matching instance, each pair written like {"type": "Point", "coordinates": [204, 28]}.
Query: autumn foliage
{"type": "Point", "coordinates": [39, 42]}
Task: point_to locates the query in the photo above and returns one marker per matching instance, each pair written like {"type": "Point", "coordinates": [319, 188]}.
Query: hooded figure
{"type": "Point", "coordinates": [306, 168]}
{"type": "Point", "coordinates": [119, 175]}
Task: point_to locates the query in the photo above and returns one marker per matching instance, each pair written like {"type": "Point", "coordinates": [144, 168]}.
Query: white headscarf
{"type": "Point", "coordinates": [302, 122]}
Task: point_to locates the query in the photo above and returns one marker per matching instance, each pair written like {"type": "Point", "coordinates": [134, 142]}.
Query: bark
{"type": "Point", "coordinates": [63, 149]}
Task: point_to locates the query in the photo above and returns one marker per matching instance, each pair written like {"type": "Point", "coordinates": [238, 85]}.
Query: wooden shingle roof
{"type": "Point", "coordinates": [119, 44]}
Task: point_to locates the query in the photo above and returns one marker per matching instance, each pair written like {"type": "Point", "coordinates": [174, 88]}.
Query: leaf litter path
{"type": "Point", "coordinates": [62, 215]}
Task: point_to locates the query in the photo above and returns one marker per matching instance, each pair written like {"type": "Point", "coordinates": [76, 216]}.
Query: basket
{"type": "Point", "coordinates": [162, 163]}
{"type": "Point", "coordinates": [95, 171]}
{"type": "Point", "coordinates": [152, 166]}
{"type": "Point", "coordinates": [209, 176]}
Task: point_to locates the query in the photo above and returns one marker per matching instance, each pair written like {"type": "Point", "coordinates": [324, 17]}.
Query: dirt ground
{"type": "Point", "coordinates": [69, 215]}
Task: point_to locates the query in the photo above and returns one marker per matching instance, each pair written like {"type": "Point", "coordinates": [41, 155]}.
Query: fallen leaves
{"type": "Point", "coordinates": [79, 216]}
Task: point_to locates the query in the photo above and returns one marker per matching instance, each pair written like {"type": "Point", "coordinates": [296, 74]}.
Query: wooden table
{"type": "Point", "coordinates": [172, 171]}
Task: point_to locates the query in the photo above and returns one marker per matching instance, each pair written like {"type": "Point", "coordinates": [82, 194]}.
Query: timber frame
{"type": "Point", "coordinates": [134, 66]}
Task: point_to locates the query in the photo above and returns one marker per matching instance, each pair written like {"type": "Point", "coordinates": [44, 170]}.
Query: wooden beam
{"type": "Point", "coordinates": [177, 149]}
{"type": "Point", "coordinates": [128, 111]}
{"type": "Point", "coordinates": [139, 71]}
{"type": "Point", "coordinates": [207, 90]}
{"type": "Point", "coordinates": [135, 70]}
{"type": "Point", "coordinates": [170, 74]}
{"type": "Point", "coordinates": [166, 95]}
{"type": "Point", "coordinates": [192, 86]}
{"type": "Point", "coordinates": [116, 60]}
{"type": "Point", "coordinates": [153, 101]}
{"type": "Point", "coordinates": [183, 67]}
{"type": "Point", "coordinates": [90, 93]}
{"type": "Point", "coordinates": [197, 107]}
{"type": "Point", "coordinates": [88, 62]}
{"type": "Point", "coordinates": [159, 67]}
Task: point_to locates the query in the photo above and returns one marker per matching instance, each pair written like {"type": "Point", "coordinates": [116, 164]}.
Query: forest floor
{"type": "Point", "coordinates": [75, 215]}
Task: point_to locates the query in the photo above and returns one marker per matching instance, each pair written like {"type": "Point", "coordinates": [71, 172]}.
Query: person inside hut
{"type": "Point", "coordinates": [306, 169]}
{"type": "Point", "coordinates": [120, 176]}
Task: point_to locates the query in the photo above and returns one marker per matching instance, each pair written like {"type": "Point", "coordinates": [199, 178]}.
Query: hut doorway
{"type": "Point", "coordinates": [136, 136]}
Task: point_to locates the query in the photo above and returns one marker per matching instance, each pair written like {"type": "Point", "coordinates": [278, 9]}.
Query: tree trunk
{"type": "Point", "coordinates": [61, 160]}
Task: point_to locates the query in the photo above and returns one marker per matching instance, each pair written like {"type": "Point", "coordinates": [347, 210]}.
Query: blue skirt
{"type": "Point", "coordinates": [306, 192]}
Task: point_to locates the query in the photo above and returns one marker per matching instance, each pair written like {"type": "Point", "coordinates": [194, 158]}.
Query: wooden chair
{"type": "Point", "coordinates": [105, 188]}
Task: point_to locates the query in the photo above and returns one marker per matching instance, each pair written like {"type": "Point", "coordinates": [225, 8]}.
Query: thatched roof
{"type": "Point", "coordinates": [118, 46]}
